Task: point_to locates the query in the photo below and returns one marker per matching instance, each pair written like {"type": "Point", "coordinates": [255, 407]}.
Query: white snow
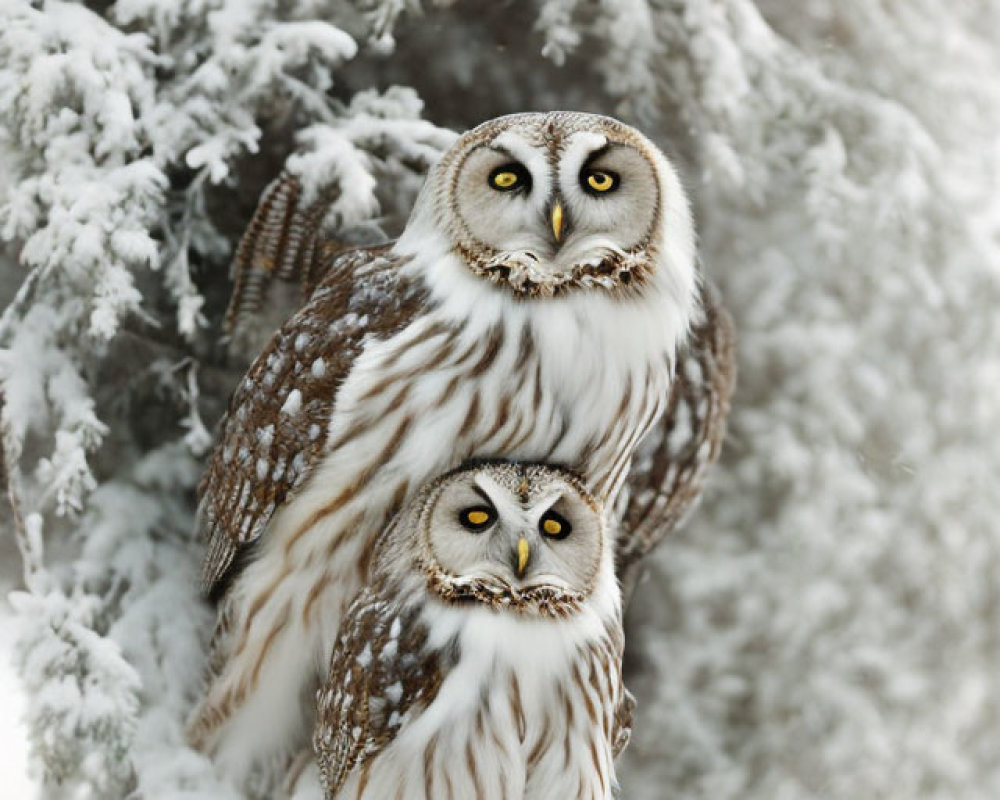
{"type": "Point", "coordinates": [13, 733]}
{"type": "Point", "coordinates": [17, 784]}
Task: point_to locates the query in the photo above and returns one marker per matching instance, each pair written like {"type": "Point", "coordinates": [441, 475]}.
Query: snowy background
{"type": "Point", "coordinates": [827, 624]}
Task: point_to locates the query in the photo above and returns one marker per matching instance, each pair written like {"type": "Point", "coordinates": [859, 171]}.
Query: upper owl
{"type": "Point", "coordinates": [545, 203]}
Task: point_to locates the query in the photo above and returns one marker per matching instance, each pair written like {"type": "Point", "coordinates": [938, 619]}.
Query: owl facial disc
{"type": "Point", "coordinates": [545, 204]}
{"type": "Point", "coordinates": [524, 538]}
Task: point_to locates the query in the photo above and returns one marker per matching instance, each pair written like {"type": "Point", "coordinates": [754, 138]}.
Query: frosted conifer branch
{"type": "Point", "coordinates": [28, 533]}
{"type": "Point", "coordinates": [197, 438]}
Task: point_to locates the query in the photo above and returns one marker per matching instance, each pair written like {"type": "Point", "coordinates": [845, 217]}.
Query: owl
{"type": "Point", "coordinates": [484, 657]}
{"type": "Point", "coordinates": [532, 310]}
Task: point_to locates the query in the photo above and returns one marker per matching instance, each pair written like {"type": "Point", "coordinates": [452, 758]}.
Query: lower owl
{"type": "Point", "coordinates": [484, 658]}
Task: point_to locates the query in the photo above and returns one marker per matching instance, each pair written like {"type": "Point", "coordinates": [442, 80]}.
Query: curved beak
{"type": "Point", "coordinates": [556, 218]}
{"type": "Point", "coordinates": [523, 556]}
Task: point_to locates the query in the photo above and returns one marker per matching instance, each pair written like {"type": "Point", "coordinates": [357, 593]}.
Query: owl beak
{"type": "Point", "coordinates": [557, 220]}
{"type": "Point", "coordinates": [523, 555]}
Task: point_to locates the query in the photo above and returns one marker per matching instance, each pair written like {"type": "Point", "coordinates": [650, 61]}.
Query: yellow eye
{"type": "Point", "coordinates": [504, 180]}
{"type": "Point", "coordinates": [477, 518]}
{"type": "Point", "coordinates": [599, 181]}
{"type": "Point", "coordinates": [554, 526]}
{"type": "Point", "coordinates": [509, 177]}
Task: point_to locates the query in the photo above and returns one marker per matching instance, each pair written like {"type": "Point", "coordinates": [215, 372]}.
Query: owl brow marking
{"type": "Point", "coordinates": [482, 494]}
{"type": "Point", "coordinates": [600, 151]}
{"type": "Point", "coordinates": [499, 148]}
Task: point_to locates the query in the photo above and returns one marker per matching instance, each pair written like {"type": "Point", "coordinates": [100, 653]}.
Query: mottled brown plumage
{"type": "Point", "coordinates": [381, 645]}
{"type": "Point", "coordinates": [266, 453]}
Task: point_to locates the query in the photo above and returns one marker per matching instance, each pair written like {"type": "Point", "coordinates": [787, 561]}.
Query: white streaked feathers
{"type": "Point", "coordinates": [476, 371]}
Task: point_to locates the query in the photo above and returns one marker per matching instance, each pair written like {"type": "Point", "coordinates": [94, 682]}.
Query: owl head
{"type": "Point", "coordinates": [549, 203]}
{"type": "Point", "coordinates": [524, 538]}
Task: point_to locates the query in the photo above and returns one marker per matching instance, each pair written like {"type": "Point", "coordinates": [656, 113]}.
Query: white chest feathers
{"type": "Point", "coordinates": [527, 712]}
{"type": "Point", "coordinates": [575, 380]}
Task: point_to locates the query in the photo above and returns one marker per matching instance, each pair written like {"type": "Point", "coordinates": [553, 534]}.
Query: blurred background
{"type": "Point", "coordinates": [826, 623]}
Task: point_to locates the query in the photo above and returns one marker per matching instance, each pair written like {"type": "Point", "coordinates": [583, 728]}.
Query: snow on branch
{"type": "Point", "coordinates": [84, 694]}
{"type": "Point", "coordinates": [379, 135]}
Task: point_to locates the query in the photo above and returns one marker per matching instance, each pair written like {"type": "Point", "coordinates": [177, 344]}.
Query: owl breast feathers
{"type": "Point", "coordinates": [542, 305]}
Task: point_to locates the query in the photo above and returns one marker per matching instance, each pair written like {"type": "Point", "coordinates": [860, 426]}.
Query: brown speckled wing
{"type": "Point", "coordinates": [382, 674]}
{"type": "Point", "coordinates": [669, 470]}
{"type": "Point", "coordinates": [276, 427]}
